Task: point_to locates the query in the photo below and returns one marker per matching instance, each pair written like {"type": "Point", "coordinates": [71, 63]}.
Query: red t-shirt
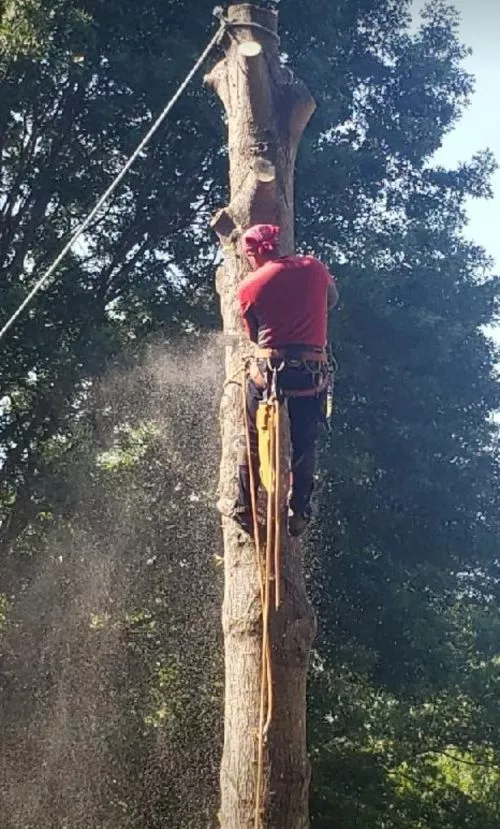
{"type": "Point", "coordinates": [286, 301]}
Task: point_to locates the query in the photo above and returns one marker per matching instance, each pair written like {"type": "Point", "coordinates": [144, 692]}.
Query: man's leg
{"type": "Point", "coordinates": [305, 416]}
{"type": "Point", "coordinates": [244, 506]}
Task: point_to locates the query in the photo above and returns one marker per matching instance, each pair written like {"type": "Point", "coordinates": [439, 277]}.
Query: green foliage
{"type": "Point", "coordinates": [130, 445]}
{"type": "Point", "coordinates": [68, 121]}
{"type": "Point", "coordinates": [103, 620]}
{"type": "Point", "coordinates": [112, 605]}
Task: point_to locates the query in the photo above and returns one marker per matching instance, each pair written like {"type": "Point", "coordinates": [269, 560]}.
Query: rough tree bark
{"type": "Point", "coordinates": [267, 110]}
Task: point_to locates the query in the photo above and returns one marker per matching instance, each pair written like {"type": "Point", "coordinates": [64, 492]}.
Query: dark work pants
{"type": "Point", "coordinates": [306, 413]}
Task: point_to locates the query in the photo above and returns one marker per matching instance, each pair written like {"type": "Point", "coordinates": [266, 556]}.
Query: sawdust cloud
{"type": "Point", "coordinates": [110, 664]}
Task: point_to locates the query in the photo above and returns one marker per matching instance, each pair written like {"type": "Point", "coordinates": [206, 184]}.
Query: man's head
{"type": "Point", "coordinates": [260, 243]}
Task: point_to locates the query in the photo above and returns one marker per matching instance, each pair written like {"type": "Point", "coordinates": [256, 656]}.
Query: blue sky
{"type": "Point", "coordinates": [480, 125]}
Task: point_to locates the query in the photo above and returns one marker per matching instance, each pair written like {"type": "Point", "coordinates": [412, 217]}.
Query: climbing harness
{"type": "Point", "coordinates": [269, 433]}
{"type": "Point", "coordinates": [82, 227]}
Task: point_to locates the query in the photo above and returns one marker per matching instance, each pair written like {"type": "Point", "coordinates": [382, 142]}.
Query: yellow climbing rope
{"type": "Point", "coordinates": [269, 432]}
{"type": "Point", "coordinates": [268, 424]}
{"type": "Point", "coordinates": [268, 565]}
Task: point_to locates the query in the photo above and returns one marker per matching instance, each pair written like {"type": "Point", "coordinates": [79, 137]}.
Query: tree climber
{"type": "Point", "coordinates": [284, 303]}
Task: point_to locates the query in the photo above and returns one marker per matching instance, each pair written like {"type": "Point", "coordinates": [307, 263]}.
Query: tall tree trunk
{"type": "Point", "coordinates": [267, 110]}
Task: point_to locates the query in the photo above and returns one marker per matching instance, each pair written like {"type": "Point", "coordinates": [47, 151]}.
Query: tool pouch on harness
{"type": "Point", "coordinates": [303, 375]}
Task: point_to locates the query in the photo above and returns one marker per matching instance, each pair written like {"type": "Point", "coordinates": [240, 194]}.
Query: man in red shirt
{"type": "Point", "coordinates": [284, 303]}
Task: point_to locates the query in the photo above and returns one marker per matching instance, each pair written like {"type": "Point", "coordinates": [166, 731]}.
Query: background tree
{"type": "Point", "coordinates": [78, 88]}
{"type": "Point", "coordinates": [403, 698]}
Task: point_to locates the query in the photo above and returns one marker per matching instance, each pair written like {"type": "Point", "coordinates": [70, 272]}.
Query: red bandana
{"type": "Point", "coordinates": [261, 239]}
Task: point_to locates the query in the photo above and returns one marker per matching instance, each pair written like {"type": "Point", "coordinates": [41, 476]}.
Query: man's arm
{"type": "Point", "coordinates": [251, 324]}
{"type": "Point", "coordinates": [247, 309]}
{"type": "Point", "coordinates": [332, 293]}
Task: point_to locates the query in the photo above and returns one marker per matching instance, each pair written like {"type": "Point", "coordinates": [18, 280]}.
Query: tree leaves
{"type": "Point", "coordinates": [404, 569]}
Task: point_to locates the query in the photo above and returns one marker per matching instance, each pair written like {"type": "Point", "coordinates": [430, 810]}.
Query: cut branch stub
{"type": "Point", "coordinates": [267, 109]}
{"type": "Point", "coordinates": [249, 49]}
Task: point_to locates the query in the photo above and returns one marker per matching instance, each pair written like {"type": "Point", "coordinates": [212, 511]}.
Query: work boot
{"type": "Point", "coordinates": [244, 518]}
{"type": "Point", "coordinates": [237, 512]}
{"type": "Point", "coordinates": [298, 521]}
